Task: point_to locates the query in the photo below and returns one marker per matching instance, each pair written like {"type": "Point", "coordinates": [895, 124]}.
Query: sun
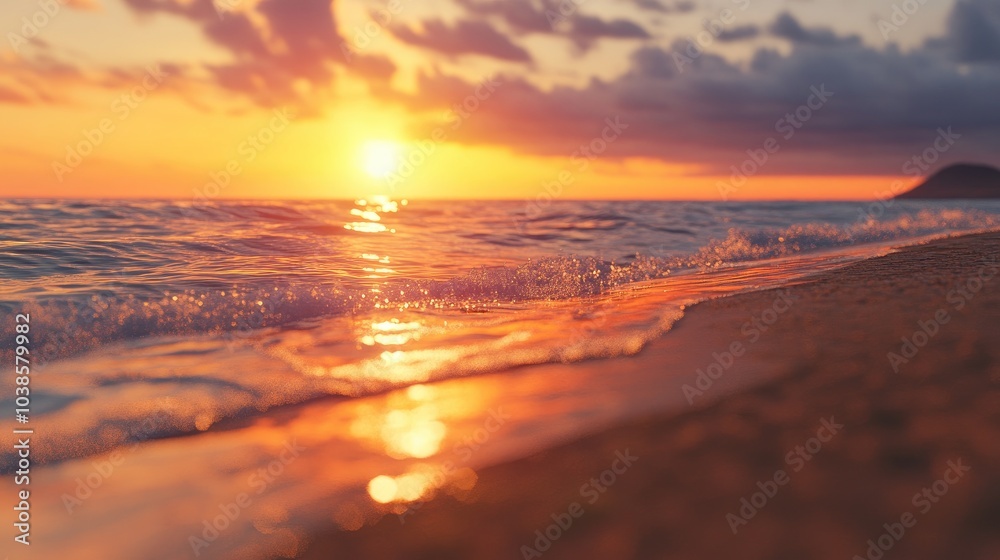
{"type": "Point", "coordinates": [381, 158]}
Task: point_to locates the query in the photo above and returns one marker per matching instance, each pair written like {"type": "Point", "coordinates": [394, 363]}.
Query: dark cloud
{"type": "Point", "coordinates": [585, 30]}
{"type": "Point", "coordinates": [887, 103]}
{"type": "Point", "coordinates": [236, 33]}
{"type": "Point", "coordinates": [681, 6]}
{"type": "Point", "coordinates": [465, 37]}
{"type": "Point", "coordinates": [306, 27]}
{"type": "Point", "coordinates": [523, 16]}
{"type": "Point", "coordinates": [739, 33]}
{"type": "Point", "coordinates": [552, 17]}
{"type": "Point", "coordinates": [974, 31]}
{"type": "Point", "coordinates": [787, 27]}
{"type": "Point", "coordinates": [887, 106]}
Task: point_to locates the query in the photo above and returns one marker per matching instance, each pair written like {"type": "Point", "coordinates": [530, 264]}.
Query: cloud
{"type": "Point", "coordinates": [39, 76]}
{"type": "Point", "coordinates": [886, 108]}
{"type": "Point", "coordinates": [198, 10]}
{"type": "Point", "coordinates": [236, 33]}
{"type": "Point", "coordinates": [523, 16]}
{"type": "Point", "coordinates": [585, 30]}
{"type": "Point", "coordinates": [306, 27]}
{"type": "Point", "coordinates": [974, 31]}
{"type": "Point", "coordinates": [551, 17]}
{"type": "Point", "coordinates": [8, 95]}
{"type": "Point", "coordinates": [465, 37]}
{"type": "Point", "coordinates": [285, 50]}
{"type": "Point", "coordinates": [681, 6]}
{"type": "Point", "coordinates": [787, 27]}
{"type": "Point", "coordinates": [739, 33]}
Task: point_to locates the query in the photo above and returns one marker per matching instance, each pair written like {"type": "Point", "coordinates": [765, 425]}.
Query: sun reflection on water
{"type": "Point", "coordinates": [367, 217]}
{"type": "Point", "coordinates": [413, 428]}
{"type": "Point", "coordinates": [393, 333]}
{"type": "Point", "coordinates": [413, 431]}
{"type": "Point", "coordinates": [371, 211]}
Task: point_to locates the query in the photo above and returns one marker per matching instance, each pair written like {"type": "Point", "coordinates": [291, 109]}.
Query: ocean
{"type": "Point", "coordinates": [384, 293]}
{"type": "Point", "coordinates": [153, 321]}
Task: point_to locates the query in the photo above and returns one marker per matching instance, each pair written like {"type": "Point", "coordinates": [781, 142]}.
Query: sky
{"type": "Point", "coordinates": [457, 99]}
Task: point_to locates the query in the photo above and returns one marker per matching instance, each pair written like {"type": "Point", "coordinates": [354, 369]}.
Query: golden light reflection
{"type": "Point", "coordinates": [371, 211]}
{"type": "Point", "coordinates": [420, 392]}
{"type": "Point", "coordinates": [371, 257]}
{"type": "Point", "coordinates": [392, 333]}
{"type": "Point", "coordinates": [382, 489]}
{"type": "Point", "coordinates": [416, 484]}
{"type": "Point", "coordinates": [412, 435]}
{"type": "Point", "coordinates": [421, 483]}
{"type": "Point", "coordinates": [367, 217]}
{"type": "Point", "coordinates": [395, 325]}
{"type": "Point", "coordinates": [411, 424]}
{"type": "Point", "coordinates": [365, 227]}
{"type": "Point", "coordinates": [412, 486]}
{"type": "Point", "coordinates": [413, 431]}
{"type": "Point", "coordinates": [380, 203]}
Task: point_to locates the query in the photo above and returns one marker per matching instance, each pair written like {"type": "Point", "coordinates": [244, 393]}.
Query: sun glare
{"type": "Point", "coordinates": [381, 158]}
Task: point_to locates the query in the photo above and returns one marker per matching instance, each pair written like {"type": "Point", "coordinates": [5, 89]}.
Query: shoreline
{"type": "Point", "coordinates": [820, 361]}
{"type": "Point", "coordinates": [519, 445]}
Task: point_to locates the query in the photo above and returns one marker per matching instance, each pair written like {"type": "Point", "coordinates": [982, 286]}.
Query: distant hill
{"type": "Point", "coordinates": [959, 181]}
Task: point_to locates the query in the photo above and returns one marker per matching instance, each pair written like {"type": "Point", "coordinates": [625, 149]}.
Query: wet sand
{"type": "Point", "coordinates": [838, 437]}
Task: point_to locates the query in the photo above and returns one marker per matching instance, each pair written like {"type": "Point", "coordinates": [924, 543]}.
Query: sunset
{"type": "Point", "coordinates": [500, 279]}
{"type": "Point", "coordinates": [147, 99]}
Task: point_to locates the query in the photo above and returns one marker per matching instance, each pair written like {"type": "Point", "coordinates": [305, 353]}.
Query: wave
{"type": "Point", "coordinates": [197, 355]}
{"type": "Point", "coordinates": [79, 321]}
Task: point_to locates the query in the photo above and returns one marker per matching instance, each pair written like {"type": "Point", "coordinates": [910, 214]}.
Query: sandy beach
{"type": "Point", "coordinates": [869, 430]}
